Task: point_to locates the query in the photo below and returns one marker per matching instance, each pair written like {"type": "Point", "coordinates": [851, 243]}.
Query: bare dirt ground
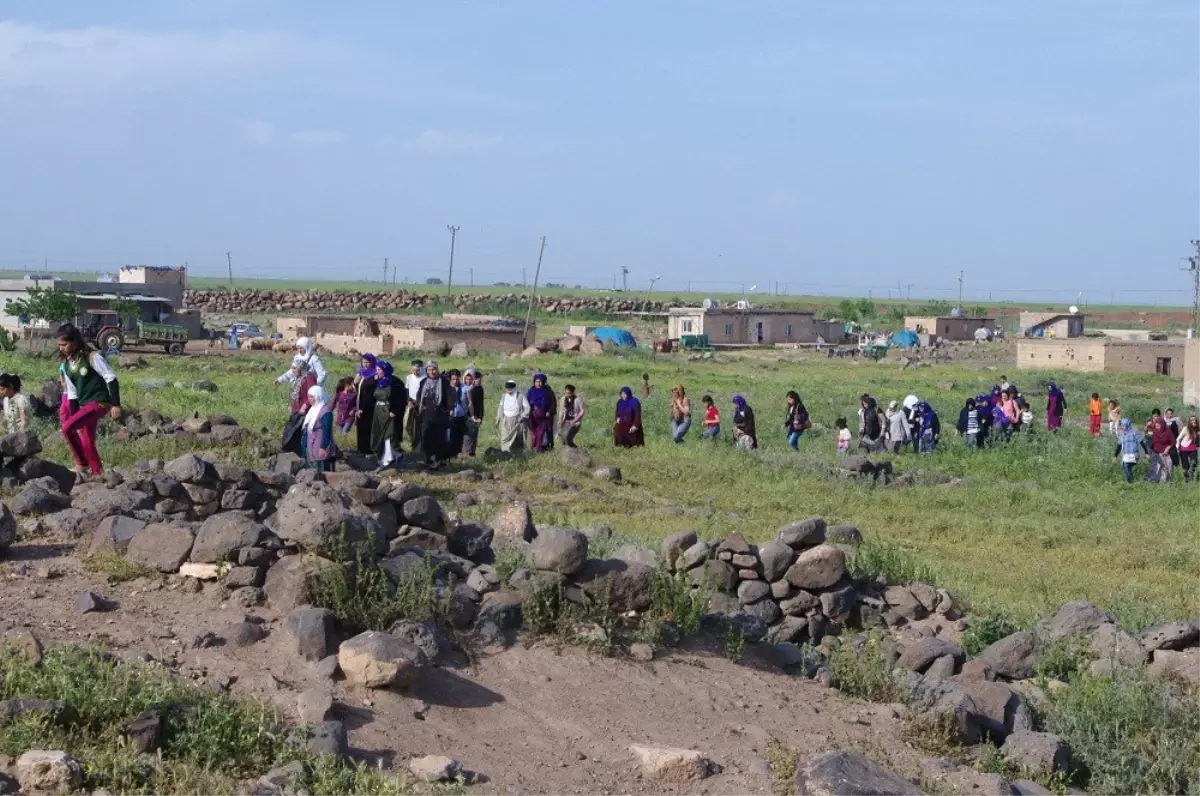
{"type": "Point", "coordinates": [528, 719]}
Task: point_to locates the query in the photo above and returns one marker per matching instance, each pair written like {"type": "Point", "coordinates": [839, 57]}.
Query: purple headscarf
{"type": "Point", "coordinates": [386, 380]}
{"type": "Point", "coordinates": [537, 395]}
{"type": "Point", "coordinates": [369, 371]}
{"type": "Point", "coordinates": [626, 406]}
{"type": "Point", "coordinates": [740, 403]}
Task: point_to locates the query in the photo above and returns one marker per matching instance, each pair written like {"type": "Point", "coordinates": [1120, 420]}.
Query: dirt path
{"type": "Point", "coordinates": [529, 719]}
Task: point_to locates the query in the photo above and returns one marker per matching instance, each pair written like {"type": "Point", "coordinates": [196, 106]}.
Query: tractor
{"type": "Point", "coordinates": [104, 329]}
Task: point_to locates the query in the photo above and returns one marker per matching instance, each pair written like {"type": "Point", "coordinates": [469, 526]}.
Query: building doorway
{"type": "Point", "coordinates": [1162, 366]}
{"type": "Point", "coordinates": [758, 331]}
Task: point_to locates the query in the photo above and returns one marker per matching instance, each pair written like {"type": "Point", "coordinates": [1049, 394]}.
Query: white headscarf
{"type": "Point", "coordinates": [306, 344]}
{"type": "Point", "coordinates": [316, 397]}
{"type": "Point", "coordinates": [911, 401]}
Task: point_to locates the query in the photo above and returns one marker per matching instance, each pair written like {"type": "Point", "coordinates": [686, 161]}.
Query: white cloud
{"type": "Point", "coordinates": [259, 132]}
{"type": "Point", "coordinates": [318, 137]}
{"type": "Point", "coordinates": [98, 59]}
{"type": "Point", "coordinates": [441, 142]}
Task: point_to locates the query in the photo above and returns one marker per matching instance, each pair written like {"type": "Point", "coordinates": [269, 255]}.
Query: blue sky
{"type": "Point", "coordinates": [832, 147]}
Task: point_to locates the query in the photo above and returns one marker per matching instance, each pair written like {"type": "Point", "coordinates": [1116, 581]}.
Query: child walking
{"type": "Point", "coordinates": [1095, 408]}
{"type": "Point", "coordinates": [346, 404]}
{"type": "Point", "coordinates": [712, 419]}
{"type": "Point", "coordinates": [17, 409]}
{"type": "Point", "coordinates": [1114, 417]}
{"type": "Point", "coordinates": [843, 436]}
{"type": "Point", "coordinates": [90, 390]}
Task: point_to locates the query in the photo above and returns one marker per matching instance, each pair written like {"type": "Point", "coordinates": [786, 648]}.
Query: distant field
{"type": "Point", "coordinates": [1030, 525]}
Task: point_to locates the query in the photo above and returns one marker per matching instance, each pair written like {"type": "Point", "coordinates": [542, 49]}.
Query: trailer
{"type": "Point", "coordinates": [103, 328]}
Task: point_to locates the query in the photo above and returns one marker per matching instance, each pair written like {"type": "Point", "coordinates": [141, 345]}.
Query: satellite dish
{"type": "Point", "coordinates": [753, 288]}
{"type": "Point", "coordinates": [707, 304]}
{"type": "Point", "coordinates": [1074, 309]}
{"type": "Point", "coordinates": [743, 305]}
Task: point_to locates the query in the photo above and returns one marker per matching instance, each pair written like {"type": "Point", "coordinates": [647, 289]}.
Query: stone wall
{"type": "Point", "coordinates": [272, 301]}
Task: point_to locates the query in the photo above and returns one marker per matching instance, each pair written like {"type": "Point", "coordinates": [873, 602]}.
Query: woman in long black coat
{"type": "Point", "coordinates": [364, 401]}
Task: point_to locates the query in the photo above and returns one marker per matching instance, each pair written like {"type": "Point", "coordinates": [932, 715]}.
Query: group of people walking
{"type": "Point", "coordinates": [441, 412]}
{"type": "Point", "coordinates": [1165, 442]}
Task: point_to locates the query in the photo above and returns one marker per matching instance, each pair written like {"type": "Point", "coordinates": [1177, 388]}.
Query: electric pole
{"type": "Point", "coordinates": [385, 270]}
{"type": "Point", "coordinates": [450, 277]}
{"type": "Point", "coordinates": [229, 259]}
{"type": "Point", "coordinates": [624, 279]}
{"type": "Point", "coordinates": [533, 293]}
{"type": "Point", "coordinates": [960, 284]}
{"type": "Point", "coordinates": [1194, 267]}
{"type": "Point", "coordinates": [471, 272]}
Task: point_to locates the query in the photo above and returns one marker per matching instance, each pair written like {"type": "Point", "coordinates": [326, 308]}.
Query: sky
{"type": "Point", "coordinates": [1042, 148]}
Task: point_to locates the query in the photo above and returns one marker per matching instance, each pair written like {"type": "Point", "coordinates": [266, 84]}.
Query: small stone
{"type": "Point", "coordinates": [1040, 753]}
{"type": "Point", "coordinates": [380, 660]}
{"type": "Point", "coordinates": [145, 732]}
{"type": "Point", "coordinates": [90, 602]}
{"type": "Point", "coordinates": [313, 705]}
{"type": "Point", "coordinates": [328, 667]}
{"type": "Point", "coordinates": [49, 772]}
{"type": "Point", "coordinates": [642, 653]}
{"type": "Point", "coordinates": [434, 768]}
{"type": "Point", "coordinates": [671, 764]}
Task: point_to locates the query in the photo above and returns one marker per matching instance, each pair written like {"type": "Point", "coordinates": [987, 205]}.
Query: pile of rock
{"type": "Point", "coordinates": [382, 301]}
{"type": "Point", "coordinates": [214, 429]}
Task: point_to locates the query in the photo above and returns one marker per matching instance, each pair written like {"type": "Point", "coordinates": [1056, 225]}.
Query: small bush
{"type": "Point", "coordinates": [933, 733]}
{"type": "Point", "coordinates": [865, 673]}
{"type": "Point", "coordinates": [116, 568]}
{"type": "Point", "coordinates": [985, 631]}
{"type": "Point", "coordinates": [896, 565]}
{"type": "Point", "coordinates": [1129, 734]}
{"type": "Point", "coordinates": [676, 609]}
{"type": "Point", "coordinates": [363, 598]}
{"type": "Point", "coordinates": [508, 561]}
{"type": "Point", "coordinates": [1065, 658]}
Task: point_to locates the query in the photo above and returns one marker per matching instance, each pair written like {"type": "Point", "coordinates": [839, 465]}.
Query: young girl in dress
{"type": "Point", "coordinates": [90, 390]}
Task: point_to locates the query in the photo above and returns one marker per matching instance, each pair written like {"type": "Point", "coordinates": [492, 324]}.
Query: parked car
{"type": "Point", "coordinates": [245, 331]}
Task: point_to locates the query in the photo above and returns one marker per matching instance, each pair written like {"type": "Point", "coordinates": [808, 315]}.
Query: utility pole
{"type": "Point", "coordinates": [533, 293]}
{"type": "Point", "coordinates": [960, 285]}
{"type": "Point", "coordinates": [229, 259]}
{"type": "Point", "coordinates": [1194, 267]}
{"type": "Point", "coordinates": [471, 271]}
{"type": "Point", "coordinates": [450, 276]}
{"type": "Point", "coordinates": [624, 279]}
{"type": "Point", "coordinates": [385, 270]}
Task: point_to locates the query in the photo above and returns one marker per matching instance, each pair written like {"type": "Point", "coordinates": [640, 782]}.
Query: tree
{"type": "Point", "coordinates": [48, 304]}
{"type": "Point", "coordinates": [126, 309]}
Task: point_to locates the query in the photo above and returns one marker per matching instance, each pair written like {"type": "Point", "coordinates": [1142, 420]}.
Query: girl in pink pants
{"type": "Point", "coordinates": [90, 390]}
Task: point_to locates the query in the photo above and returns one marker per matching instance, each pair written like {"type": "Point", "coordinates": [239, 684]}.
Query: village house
{"type": "Point", "coordinates": [1093, 355]}
{"type": "Point", "coordinates": [356, 334]}
{"type": "Point", "coordinates": [751, 326]}
{"type": "Point", "coordinates": [1055, 325]}
{"type": "Point", "coordinates": [157, 290]}
{"type": "Point", "coordinates": [947, 327]}
{"type": "Point", "coordinates": [1191, 372]}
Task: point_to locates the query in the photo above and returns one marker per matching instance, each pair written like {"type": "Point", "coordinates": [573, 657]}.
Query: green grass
{"type": "Point", "coordinates": [212, 743]}
{"type": "Point", "coordinates": [1045, 519]}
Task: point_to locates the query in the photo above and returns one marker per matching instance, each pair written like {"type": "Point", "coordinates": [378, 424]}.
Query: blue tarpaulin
{"type": "Point", "coordinates": [905, 339]}
{"type": "Point", "coordinates": [611, 335]}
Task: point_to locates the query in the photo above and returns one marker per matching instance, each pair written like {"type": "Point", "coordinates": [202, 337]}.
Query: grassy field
{"type": "Point", "coordinates": [1040, 521]}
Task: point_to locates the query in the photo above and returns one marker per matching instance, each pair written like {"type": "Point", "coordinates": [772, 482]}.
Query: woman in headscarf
{"type": "Point", "coordinates": [931, 427]}
{"type": "Point", "coordinates": [512, 413]}
{"type": "Point", "coordinates": [745, 433]}
{"type": "Point", "coordinates": [364, 401]}
{"type": "Point", "coordinates": [870, 437]}
{"type": "Point", "coordinates": [627, 428]}
{"type": "Point", "coordinates": [473, 393]}
{"type": "Point", "coordinates": [320, 451]}
{"type": "Point", "coordinates": [301, 379]}
{"type": "Point", "coordinates": [387, 428]}
{"type": "Point", "coordinates": [1162, 443]}
{"type": "Point", "coordinates": [540, 407]}
{"type": "Point", "coordinates": [1129, 443]}
{"type": "Point", "coordinates": [898, 433]}
{"type": "Point", "coordinates": [1056, 405]}
{"type": "Point", "coordinates": [914, 420]}
{"type": "Point", "coordinates": [435, 403]}
{"type": "Point", "coordinates": [306, 354]}
{"type": "Point", "coordinates": [574, 409]}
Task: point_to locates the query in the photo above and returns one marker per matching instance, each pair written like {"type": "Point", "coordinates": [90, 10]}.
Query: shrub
{"type": "Point", "coordinates": [896, 565]}
{"type": "Point", "coordinates": [865, 673]}
{"type": "Point", "coordinates": [362, 597]}
{"type": "Point", "coordinates": [673, 603]}
{"type": "Point", "coordinates": [1065, 658]}
{"type": "Point", "coordinates": [1129, 734]}
{"type": "Point", "coordinates": [985, 631]}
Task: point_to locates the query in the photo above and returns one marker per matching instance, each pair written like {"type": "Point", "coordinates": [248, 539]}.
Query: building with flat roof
{"type": "Point", "coordinates": [158, 290]}
{"type": "Point", "coordinates": [948, 327]}
{"type": "Point", "coordinates": [1055, 325]}
{"type": "Point", "coordinates": [752, 326]}
{"type": "Point", "coordinates": [1093, 355]}
{"type": "Point", "coordinates": [1191, 372]}
{"type": "Point", "coordinates": [357, 334]}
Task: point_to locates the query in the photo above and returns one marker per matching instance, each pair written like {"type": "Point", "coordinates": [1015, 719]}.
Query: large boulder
{"type": "Point", "coordinates": [1014, 657]}
{"type": "Point", "coordinates": [424, 512]}
{"type": "Point", "coordinates": [222, 534]}
{"type": "Point", "coordinates": [845, 773]}
{"type": "Point", "coordinates": [673, 546]}
{"type": "Point", "coordinates": [1078, 617]}
{"type": "Point", "coordinates": [775, 557]}
{"type": "Point", "coordinates": [37, 499]}
{"type": "Point", "coordinates": [579, 458]}
{"type": "Point", "coordinates": [101, 502]}
{"type": "Point", "coordinates": [34, 467]}
{"type": "Point", "coordinates": [920, 655]}
{"type": "Point", "coordinates": [286, 584]}
{"type": "Point", "coordinates": [1176, 635]}
{"type": "Point", "coordinates": [319, 519]}
{"type": "Point", "coordinates": [514, 522]}
{"type": "Point", "coordinates": [1114, 647]}
{"type": "Point", "coordinates": [114, 533]}
{"type": "Point", "coordinates": [803, 533]}
{"type": "Point", "coordinates": [817, 568]}
{"type": "Point", "coordinates": [1002, 710]}
{"type": "Point", "coordinates": [19, 444]}
{"type": "Point", "coordinates": [161, 546]}
{"type": "Point", "coordinates": [562, 550]}
{"type": "Point", "coordinates": [48, 772]}
{"type": "Point", "coordinates": [1038, 753]}
{"type": "Point", "coordinates": [630, 583]}
{"type": "Point", "coordinates": [380, 660]}
{"type": "Point", "coordinates": [314, 631]}
{"type": "Point", "coordinates": [190, 469]}
{"type": "Point", "coordinates": [946, 704]}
